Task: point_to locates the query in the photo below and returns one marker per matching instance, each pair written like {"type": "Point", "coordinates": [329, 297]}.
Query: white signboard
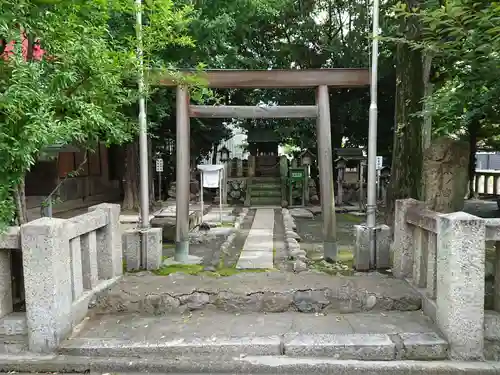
{"type": "Point", "coordinates": [159, 165]}
{"type": "Point", "coordinates": [379, 163]}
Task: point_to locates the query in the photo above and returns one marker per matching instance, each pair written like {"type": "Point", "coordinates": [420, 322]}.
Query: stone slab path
{"type": "Point", "coordinates": [257, 252]}
{"type": "Point", "coordinates": [361, 336]}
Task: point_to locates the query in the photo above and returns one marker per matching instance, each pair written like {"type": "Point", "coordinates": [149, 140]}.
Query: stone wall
{"type": "Point", "coordinates": [237, 190]}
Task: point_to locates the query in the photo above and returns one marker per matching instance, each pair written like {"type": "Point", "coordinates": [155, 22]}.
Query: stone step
{"type": "Point", "coordinates": [271, 291]}
{"type": "Point", "coordinates": [262, 201]}
{"type": "Point", "coordinates": [265, 186]}
{"type": "Point", "coordinates": [266, 180]}
{"type": "Point", "coordinates": [275, 192]}
{"type": "Point", "coordinates": [210, 364]}
{"type": "Point", "coordinates": [363, 337]}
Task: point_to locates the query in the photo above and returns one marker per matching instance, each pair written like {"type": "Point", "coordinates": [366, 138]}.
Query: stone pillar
{"type": "Point", "coordinates": [403, 239]}
{"type": "Point", "coordinates": [445, 175]}
{"type": "Point", "coordinates": [239, 168]}
{"type": "Point", "coordinates": [362, 257]}
{"type": "Point", "coordinates": [109, 242]}
{"type": "Point", "coordinates": [132, 239]}
{"type": "Point", "coordinates": [460, 284]}
{"type": "Point", "coordinates": [47, 282]}
{"type": "Point", "coordinates": [251, 166]}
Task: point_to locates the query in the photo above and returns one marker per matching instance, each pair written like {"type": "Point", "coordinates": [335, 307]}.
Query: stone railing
{"type": "Point", "coordinates": [486, 182]}
{"type": "Point", "coordinates": [65, 262]}
{"type": "Point", "coordinates": [443, 257]}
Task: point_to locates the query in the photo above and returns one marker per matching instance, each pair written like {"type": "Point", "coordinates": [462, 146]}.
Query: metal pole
{"type": "Point", "coordinates": [143, 131]}
{"type": "Point", "coordinates": [324, 134]}
{"type": "Point", "coordinates": [182, 176]}
{"type": "Point", "coordinates": [159, 186]}
{"type": "Point", "coordinates": [202, 203]}
{"type": "Point", "coordinates": [371, 207]}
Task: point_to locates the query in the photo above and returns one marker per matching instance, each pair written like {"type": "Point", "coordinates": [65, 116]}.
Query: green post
{"type": "Point", "coordinates": [297, 175]}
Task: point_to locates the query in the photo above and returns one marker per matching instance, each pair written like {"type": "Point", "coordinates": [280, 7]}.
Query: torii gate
{"type": "Point", "coordinates": [320, 79]}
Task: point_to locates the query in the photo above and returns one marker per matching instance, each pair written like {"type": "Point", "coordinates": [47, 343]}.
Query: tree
{"type": "Point", "coordinates": [407, 157]}
{"type": "Point", "coordinates": [78, 92]}
{"type": "Point", "coordinates": [72, 95]}
{"type": "Point", "coordinates": [463, 38]}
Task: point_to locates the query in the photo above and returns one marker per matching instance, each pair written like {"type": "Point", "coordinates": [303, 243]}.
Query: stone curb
{"type": "Point", "coordinates": [237, 224]}
{"type": "Point", "coordinates": [175, 347]}
{"type": "Point", "coordinates": [242, 364]}
{"type": "Point", "coordinates": [296, 257]}
{"type": "Point", "coordinates": [351, 346]}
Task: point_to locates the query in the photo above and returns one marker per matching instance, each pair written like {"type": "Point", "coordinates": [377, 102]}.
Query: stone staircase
{"type": "Point", "coordinates": [265, 191]}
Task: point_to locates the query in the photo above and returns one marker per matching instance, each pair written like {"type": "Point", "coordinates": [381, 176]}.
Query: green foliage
{"type": "Point", "coordinates": [77, 93]}
{"type": "Point", "coordinates": [464, 38]}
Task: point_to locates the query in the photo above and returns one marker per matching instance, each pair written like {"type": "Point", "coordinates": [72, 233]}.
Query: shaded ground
{"type": "Point", "coordinates": [208, 250]}
{"type": "Point", "coordinates": [280, 251]}
{"type": "Point", "coordinates": [205, 243]}
{"type": "Point", "coordinates": [231, 255]}
{"type": "Point", "coordinates": [311, 233]}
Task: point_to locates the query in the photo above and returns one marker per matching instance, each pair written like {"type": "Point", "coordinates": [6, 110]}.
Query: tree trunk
{"type": "Point", "coordinates": [130, 181]}
{"type": "Point", "coordinates": [473, 131]}
{"type": "Point", "coordinates": [406, 171]}
{"type": "Point", "coordinates": [428, 89]}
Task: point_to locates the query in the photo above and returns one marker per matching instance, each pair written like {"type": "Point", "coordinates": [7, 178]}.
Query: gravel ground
{"type": "Point", "coordinates": [205, 244]}
{"type": "Point", "coordinates": [311, 231]}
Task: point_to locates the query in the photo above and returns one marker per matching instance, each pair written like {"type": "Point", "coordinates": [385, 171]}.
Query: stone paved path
{"type": "Point", "coordinates": [257, 252]}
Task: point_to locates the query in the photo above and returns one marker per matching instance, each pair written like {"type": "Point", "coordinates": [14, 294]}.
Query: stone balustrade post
{"type": "Point", "coordinates": [109, 242]}
{"type": "Point", "coordinates": [460, 284]}
{"type": "Point", "coordinates": [403, 239]}
{"type": "Point", "coordinates": [47, 282]}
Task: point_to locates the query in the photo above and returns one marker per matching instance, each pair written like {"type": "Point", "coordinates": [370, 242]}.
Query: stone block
{"type": "Point", "coordinates": [301, 213]}
{"type": "Point", "coordinates": [154, 248]}
{"type": "Point", "coordinates": [109, 242]}
{"type": "Point", "coordinates": [445, 174]}
{"type": "Point", "coordinates": [47, 282]}
{"type": "Point", "coordinates": [6, 306]}
{"type": "Point", "coordinates": [13, 324]}
{"type": "Point", "coordinates": [460, 284]}
{"type": "Point", "coordinates": [403, 239]}
{"type": "Point", "coordinates": [362, 257]}
{"type": "Point", "coordinates": [132, 249]}
{"type": "Point", "coordinates": [216, 345]}
{"type": "Point", "coordinates": [132, 239]}
{"type": "Point", "coordinates": [424, 346]}
{"type": "Point", "coordinates": [368, 347]}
